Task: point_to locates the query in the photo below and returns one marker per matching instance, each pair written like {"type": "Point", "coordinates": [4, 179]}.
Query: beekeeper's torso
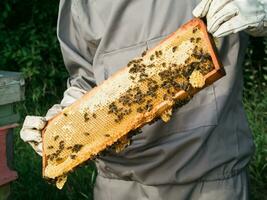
{"type": "Point", "coordinates": [207, 139]}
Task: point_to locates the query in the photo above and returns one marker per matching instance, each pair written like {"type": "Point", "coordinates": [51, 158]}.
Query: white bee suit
{"type": "Point", "coordinates": [203, 151]}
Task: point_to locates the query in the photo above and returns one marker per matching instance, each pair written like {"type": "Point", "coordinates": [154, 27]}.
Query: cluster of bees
{"type": "Point", "coordinates": [134, 96]}
{"type": "Point", "coordinates": [86, 116]}
{"type": "Point", "coordinates": [156, 55]}
{"type": "Point", "coordinates": [120, 112]}
{"type": "Point", "coordinates": [200, 61]}
{"type": "Point", "coordinates": [61, 146]}
{"type": "Point", "coordinates": [120, 144]}
{"type": "Point", "coordinates": [172, 79]}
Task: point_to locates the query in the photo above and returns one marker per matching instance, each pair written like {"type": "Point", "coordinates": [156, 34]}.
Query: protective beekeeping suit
{"type": "Point", "coordinates": [203, 151]}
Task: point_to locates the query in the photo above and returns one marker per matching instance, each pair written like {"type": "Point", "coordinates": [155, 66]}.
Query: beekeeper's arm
{"type": "Point", "coordinates": [77, 56]}
{"type": "Point", "coordinates": [225, 17]}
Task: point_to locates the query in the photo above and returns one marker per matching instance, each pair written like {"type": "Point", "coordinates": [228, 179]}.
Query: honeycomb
{"type": "Point", "coordinates": [148, 88]}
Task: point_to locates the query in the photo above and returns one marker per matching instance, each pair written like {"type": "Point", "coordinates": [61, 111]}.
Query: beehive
{"type": "Point", "coordinates": [146, 89]}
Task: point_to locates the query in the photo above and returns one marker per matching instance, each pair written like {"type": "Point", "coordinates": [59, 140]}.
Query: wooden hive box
{"type": "Point", "coordinates": [12, 91]}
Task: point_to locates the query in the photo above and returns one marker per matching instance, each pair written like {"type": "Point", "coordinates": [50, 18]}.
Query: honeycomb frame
{"type": "Point", "coordinates": [81, 153]}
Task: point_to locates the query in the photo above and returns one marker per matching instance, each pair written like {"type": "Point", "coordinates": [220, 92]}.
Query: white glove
{"type": "Point", "coordinates": [225, 17]}
{"type": "Point", "coordinates": [31, 131]}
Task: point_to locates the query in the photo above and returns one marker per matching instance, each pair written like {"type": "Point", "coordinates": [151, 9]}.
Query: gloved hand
{"type": "Point", "coordinates": [225, 17]}
{"type": "Point", "coordinates": [31, 131]}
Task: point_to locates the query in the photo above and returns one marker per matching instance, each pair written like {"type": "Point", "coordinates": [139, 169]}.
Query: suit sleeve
{"type": "Point", "coordinates": [77, 45]}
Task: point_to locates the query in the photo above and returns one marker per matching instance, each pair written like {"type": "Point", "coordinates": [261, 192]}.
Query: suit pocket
{"type": "Point", "coordinates": [200, 111]}
{"type": "Point", "coordinates": [118, 59]}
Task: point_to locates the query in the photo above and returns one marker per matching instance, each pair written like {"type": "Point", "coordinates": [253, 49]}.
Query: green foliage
{"type": "Point", "coordinates": [255, 101]}
{"type": "Point", "coordinates": [256, 107]}
{"type": "Point", "coordinates": [28, 44]}
{"type": "Point", "coordinates": [255, 66]}
{"type": "Point", "coordinates": [30, 184]}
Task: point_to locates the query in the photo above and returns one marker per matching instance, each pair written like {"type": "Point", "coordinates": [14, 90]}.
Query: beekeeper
{"type": "Point", "coordinates": [203, 151]}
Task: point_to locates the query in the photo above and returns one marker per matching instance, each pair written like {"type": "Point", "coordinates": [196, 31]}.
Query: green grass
{"type": "Point", "coordinates": [256, 109]}
{"type": "Point", "coordinates": [31, 185]}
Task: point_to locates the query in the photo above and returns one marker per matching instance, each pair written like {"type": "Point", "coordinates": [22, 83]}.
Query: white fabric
{"type": "Point", "coordinates": [31, 128]}
{"type": "Point", "coordinates": [53, 111]}
{"type": "Point", "coordinates": [31, 131]}
{"type": "Point", "coordinates": [37, 147]}
{"type": "Point", "coordinates": [71, 95]}
{"type": "Point", "coordinates": [30, 135]}
{"type": "Point", "coordinates": [225, 17]}
{"type": "Point", "coordinates": [33, 121]}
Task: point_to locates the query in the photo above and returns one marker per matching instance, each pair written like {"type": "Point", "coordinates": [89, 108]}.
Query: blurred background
{"type": "Point", "coordinates": [28, 44]}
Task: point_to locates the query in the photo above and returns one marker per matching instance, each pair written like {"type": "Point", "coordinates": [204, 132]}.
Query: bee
{"type": "Point", "coordinates": [157, 54]}
{"type": "Point", "coordinates": [198, 39]}
{"type": "Point", "coordinates": [77, 147]}
{"type": "Point", "coordinates": [127, 112]}
{"type": "Point", "coordinates": [165, 96]}
{"type": "Point", "coordinates": [138, 131]}
{"type": "Point", "coordinates": [139, 110]}
{"type": "Point", "coordinates": [149, 107]}
{"type": "Point", "coordinates": [206, 56]}
{"type": "Point", "coordinates": [50, 147]}
{"type": "Point", "coordinates": [120, 117]}
{"type": "Point", "coordinates": [174, 49]}
{"type": "Point", "coordinates": [56, 137]}
{"type": "Point", "coordinates": [187, 61]}
{"type": "Point", "coordinates": [93, 157]}
{"type": "Point", "coordinates": [144, 53]}
{"type": "Point", "coordinates": [50, 157]}
{"type": "Point", "coordinates": [86, 133]}
{"type": "Point", "coordinates": [86, 117]}
{"type": "Point", "coordinates": [61, 146]}
{"type": "Point", "coordinates": [192, 39]}
{"type": "Point", "coordinates": [143, 75]}
{"type": "Point", "coordinates": [58, 159]}
{"type": "Point", "coordinates": [65, 114]}
{"type": "Point", "coordinates": [112, 108]}
{"type": "Point", "coordinates": [107, 135]}
{"type": "Point", "coordinates": [94, 115]}
{"type": "Point", "coordinates": [139, 60]}
{"type": "Point", "coordinates": [151, 65]}
{"type": "Point", "coordinates": [152, 57]}
{"type": "Point", "coordinates": [57, 152]}
{"type": "Point", "coordinates": [129, 63]}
